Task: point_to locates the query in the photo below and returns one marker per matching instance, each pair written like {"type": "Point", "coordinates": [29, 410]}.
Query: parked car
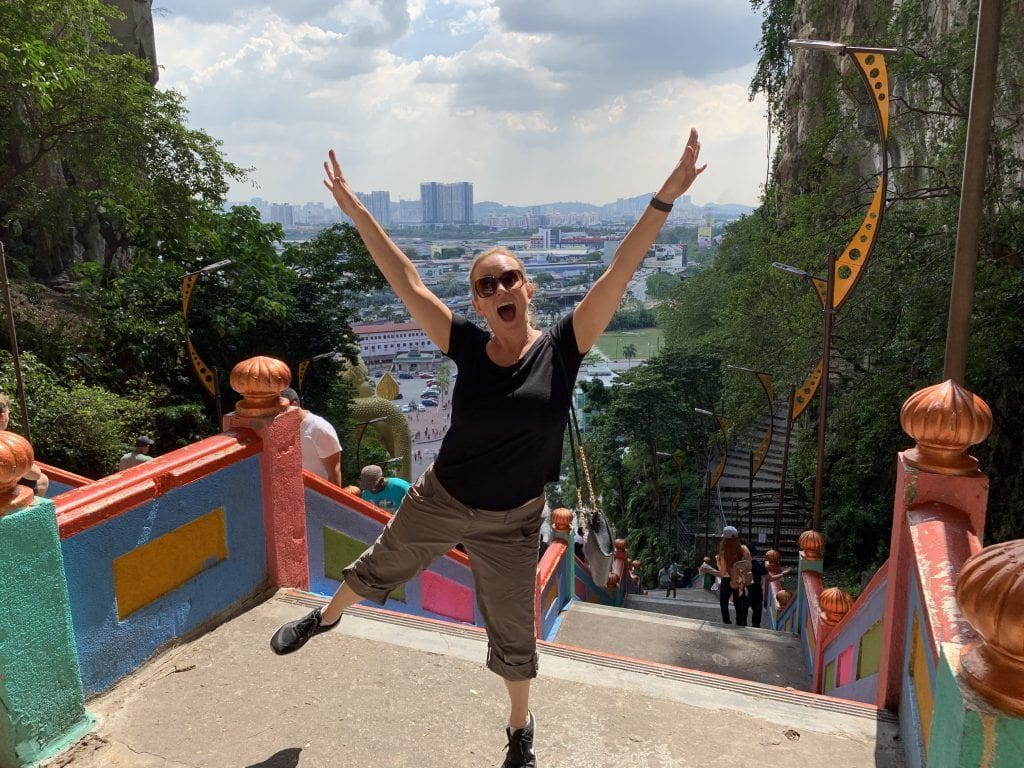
{"type": "Point", "coordinates": [398, 396]}
{"type": "Point", "coordinates": [426, 375]}
{"type": "Point", "coordinates": [431, 393]}
{"type": "Point", "coordinates": [418, 406]}
{"type": "Point", "coordinates": [405, 375]}
{"type": "Point", "coordinates": [406, 407]}
{"type": "Point", "coordinates": [429, 403]}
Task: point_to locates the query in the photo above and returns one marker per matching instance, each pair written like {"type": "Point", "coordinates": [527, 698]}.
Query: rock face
{"type": "Point", "coordinates": [135, 34]}
{"type": "Point", "coordinates": [54, 255]}
{"type": "Point", "coordinates": [866, 22]}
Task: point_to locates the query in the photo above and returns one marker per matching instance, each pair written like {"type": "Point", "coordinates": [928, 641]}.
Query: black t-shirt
{"type": "Point", "coordinates": [505, 439]}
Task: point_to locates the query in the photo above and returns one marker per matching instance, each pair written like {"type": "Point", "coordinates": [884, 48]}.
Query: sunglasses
{"type": "Point", "coordinates": [488, 284]}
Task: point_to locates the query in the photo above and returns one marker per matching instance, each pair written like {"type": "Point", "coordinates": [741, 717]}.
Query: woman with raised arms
{"type": "Point", "coordinates": [510, 407]}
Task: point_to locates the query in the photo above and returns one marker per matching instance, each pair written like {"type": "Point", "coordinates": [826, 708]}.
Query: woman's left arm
{"type": "Point", "coordinates": [595, 311]}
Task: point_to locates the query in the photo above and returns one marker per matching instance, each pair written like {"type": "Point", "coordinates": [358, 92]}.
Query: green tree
{"type": "Point", "coordinates": [629, 351]}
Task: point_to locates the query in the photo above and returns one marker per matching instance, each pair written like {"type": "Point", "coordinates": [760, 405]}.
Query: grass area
{"type": "Point", "coordinates": [646, 340]}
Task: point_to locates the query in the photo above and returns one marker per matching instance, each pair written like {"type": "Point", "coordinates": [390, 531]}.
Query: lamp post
{"type": "Point", "coordinates": [13, 337]}
{"type": "Point", "coordinates": [360, 431]}
{"type": "Point", "coordinates": [979, 128]}
{"type": "Point", "coordinates": [208, 378]}
{"type": "Point", "coordinates": [715, 475]}
{"type": "Point", "coordinates": [673, 520]}
{"type": "Point", "coordinates": [825, 290]}
{"type": "Point", "coordinates": [304, 366]}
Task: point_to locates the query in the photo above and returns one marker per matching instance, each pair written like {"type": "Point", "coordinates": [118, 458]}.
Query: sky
{"type": "Point", "coordinates": [531, 100]}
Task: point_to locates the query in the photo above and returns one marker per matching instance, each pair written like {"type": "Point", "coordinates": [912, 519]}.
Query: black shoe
{"type": "Point", "coordinates": [295, 634]}
{"type": "Point", "coordinates": [520, 747]}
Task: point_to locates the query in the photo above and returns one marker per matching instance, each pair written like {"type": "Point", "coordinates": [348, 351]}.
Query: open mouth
{"type": "Point", "coordinates": [507, 312]}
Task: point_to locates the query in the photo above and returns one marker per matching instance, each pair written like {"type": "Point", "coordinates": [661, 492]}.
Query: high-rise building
{"type": "Point", "coordinates": [447, 203]}
{"type": "Point", "coordinates": [379, 206]}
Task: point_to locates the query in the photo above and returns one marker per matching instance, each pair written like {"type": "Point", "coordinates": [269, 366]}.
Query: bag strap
{"type": "Point", "coordinates": [576, 442]}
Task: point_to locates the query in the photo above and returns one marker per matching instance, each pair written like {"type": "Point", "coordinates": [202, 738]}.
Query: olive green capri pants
{"type": "Point", "coordinates": [502, 548]}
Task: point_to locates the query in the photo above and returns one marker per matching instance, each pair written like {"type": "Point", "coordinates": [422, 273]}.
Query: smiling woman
{"type": "Point", "coordinates": [509, 410]}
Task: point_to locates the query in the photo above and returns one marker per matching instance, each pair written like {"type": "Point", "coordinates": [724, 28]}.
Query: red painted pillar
{"type": "Point", "coordinates": [916, 488]}
{"type": "Point", "coordinates": [261, 380]}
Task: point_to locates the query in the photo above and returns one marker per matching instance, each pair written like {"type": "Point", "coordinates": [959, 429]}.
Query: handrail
{"type": "Point", "coordinates": [82, 508]}
{"type": "Point", "coordinates": [63, 476]}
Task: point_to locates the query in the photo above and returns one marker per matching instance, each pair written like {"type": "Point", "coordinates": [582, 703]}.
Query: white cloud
{"type": "Point", "coordinates": [531, 100]}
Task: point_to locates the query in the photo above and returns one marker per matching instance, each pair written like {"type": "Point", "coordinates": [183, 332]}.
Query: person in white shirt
{"type": "Point", "coordinates": [321, 451]}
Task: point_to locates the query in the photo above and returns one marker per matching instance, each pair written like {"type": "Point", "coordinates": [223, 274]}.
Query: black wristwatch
{"type": "Point", "coordinates": [660, 205]}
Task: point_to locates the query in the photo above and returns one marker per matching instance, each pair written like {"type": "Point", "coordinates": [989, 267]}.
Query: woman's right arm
{"type": "Point", "coordinates": [425, 307]}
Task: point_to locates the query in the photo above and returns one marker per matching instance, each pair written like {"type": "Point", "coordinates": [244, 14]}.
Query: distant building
{"type": "Point", "coordinates": [379, 206]}
{"type": "Point", "coordinates": [409, 212]}
{"type": "Point", "coordinates": [283, 214]}
{"type": "Point", "coordinates": [381, 342]}
{"type": "Point", "coordinates": [447, 203]}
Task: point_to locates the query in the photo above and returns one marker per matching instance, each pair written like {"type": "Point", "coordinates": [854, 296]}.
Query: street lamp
{"type": "Point", "coordinates": [13, 336]}
{"type": "Point", "coordinates": [673, 521]}
{"type": "Point", "coordinates": [826, 296]}
{"type": "Point", "coordinates": [304, 366]}
{"type": "Point", "coordinates": [715, 475]}
{"type": "Point", "coordinates": [207, 377]}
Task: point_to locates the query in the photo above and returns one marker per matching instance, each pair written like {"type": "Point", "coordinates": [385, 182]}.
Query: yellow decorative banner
{"type": "Point", "coordinates": [805, 392]}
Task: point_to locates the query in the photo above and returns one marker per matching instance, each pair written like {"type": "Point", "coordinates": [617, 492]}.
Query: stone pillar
{"type": "Point", "coordinates": [260, 381]}
{"type": "Point", "coordinates": [620, 569]}
{"type": "Point", "coordinates": [944, 420]}
{"type": "Point", "coordinates": [42, 705]}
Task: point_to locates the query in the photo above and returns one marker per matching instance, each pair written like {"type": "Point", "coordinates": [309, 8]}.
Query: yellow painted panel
{"type": "Point", "coordinates": [922, 682]}
{"type": "Point", "coordinates": [151, 571]}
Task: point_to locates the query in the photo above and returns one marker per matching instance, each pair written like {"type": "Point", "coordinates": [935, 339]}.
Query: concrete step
{"type": "Point", "coordinates": [688, 603]}
{"type": "Point", "coordinates": [761, 655]}
{"type": "Point", "coordinates": [393, 690]}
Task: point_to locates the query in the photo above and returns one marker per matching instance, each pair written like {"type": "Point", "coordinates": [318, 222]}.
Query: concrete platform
{"type": "Point", "coordinates": [761, 655]}
{"type": "Point", "coordinates": [391, 690]}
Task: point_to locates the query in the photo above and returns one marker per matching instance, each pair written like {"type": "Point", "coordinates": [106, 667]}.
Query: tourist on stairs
{"type": "Point", "coordinates": [731, 552]}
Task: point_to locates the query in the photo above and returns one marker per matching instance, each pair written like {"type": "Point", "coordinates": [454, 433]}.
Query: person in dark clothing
{"type": "Point", "coordinates": [510, 407]}
{"type": "Point", "coordinates": [756, 592]}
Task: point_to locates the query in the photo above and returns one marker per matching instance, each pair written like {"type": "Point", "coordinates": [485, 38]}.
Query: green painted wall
{"type": "Point", "coordinates": [42, 707]}
{"type": "Point", "coordinates": [967, 733]}
{"type": "Point", "coordinates": [340, 551]}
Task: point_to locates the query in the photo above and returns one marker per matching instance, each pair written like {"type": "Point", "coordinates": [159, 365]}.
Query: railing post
{"type": "Point", "coordinates": [42, 704]}
{"type": "Point", "coordinates": [561, 521]}
{"type": "Point", "coordinates": [944, 420]}
{"type": "Point", "coordinates": [260, 381]}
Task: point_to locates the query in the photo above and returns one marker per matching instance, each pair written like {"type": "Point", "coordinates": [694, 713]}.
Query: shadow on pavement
{"type": "Point", "coordinates": [286, 758]}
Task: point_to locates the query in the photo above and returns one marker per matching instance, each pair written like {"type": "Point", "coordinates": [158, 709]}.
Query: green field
{"type": "Point", "coordinates": [646, 340]}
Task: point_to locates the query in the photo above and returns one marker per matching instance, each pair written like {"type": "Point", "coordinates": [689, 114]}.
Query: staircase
{"type": "Point", "coordinates": [397, 690]}
{"type": "Point", "coordinates": [733, 491]}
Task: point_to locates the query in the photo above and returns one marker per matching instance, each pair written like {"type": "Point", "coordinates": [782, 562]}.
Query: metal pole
{"type": "Point", "coordinates": [13, 336]}
{"type": "Point", "coordinates": [979, 128]}
{"type": "Point", "coordinates": [750, 499]}
{"type": "Point", "coordinates": [777, 532]}
{"type": "Point", "coordinates": [819, 479]}
{"type": "Point", "coordinates": [216, 389]}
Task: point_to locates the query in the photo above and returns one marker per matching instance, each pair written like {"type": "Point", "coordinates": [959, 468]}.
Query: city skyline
{"type": "Point", "coordinates": [529, 99]}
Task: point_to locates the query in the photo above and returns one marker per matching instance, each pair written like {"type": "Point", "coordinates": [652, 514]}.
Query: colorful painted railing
{"type": "Point", "coordinates": [552, 593]}
{"type": "Point", "coordinates": [340, 525]}
{"type": "Point", "coordinates": [938, 633]}
{"type": "Point", "coordinates": [153, 552]}
{"type": "Point", "coordinates": [61, 480]}
{"type": "Point", "coordinates": [851, 656]}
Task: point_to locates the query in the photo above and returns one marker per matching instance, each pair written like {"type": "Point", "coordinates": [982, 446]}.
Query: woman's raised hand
{"type": "Point", "coordinates": [685, 172]}
{"type": "Point", "coordinates": [336, 183]}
